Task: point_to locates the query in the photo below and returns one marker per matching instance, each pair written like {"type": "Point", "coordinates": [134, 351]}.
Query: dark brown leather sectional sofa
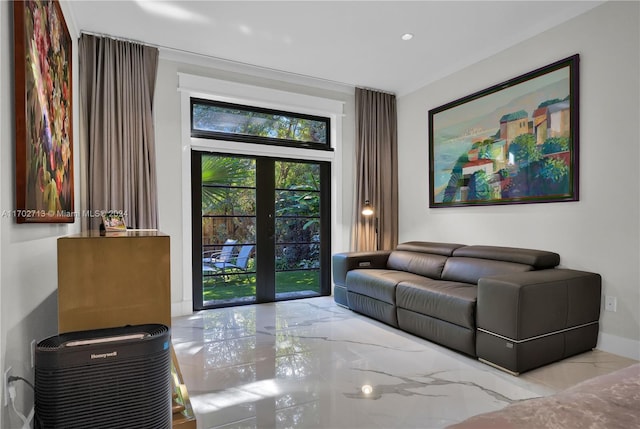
{"type": "Point", "coordinates": [509, 307]}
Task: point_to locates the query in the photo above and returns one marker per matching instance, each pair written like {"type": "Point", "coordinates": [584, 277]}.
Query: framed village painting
{"type": "Point", "coordinates": [513, 143]}
{"type": "Point", "coordinates": [43, 113]}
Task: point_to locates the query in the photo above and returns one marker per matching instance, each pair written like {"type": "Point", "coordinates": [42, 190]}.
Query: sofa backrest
{"type": "Point", "coordinates": [425, 259]}
{"type": "Point", "coordinates": [444, 249]}
{"type": "Point", "coordinates": [457, 262]}
{"type": "Point", "coordinates": [538, 259]}
{"type": "Point", "coordinates": [469, 270]}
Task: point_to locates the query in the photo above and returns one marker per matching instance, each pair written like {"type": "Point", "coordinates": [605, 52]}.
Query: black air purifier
{"type": "Point", "coordinates": [112, 378]}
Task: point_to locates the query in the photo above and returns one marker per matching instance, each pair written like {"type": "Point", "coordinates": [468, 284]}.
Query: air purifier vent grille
{"type": "Point", "coordinates": [118, 384]}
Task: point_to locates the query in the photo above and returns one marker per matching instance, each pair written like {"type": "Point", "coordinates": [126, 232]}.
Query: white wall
{"type": "Point", "coordinates": [599, 233]}
{"type": "Point", "coordinates": [28, 267]}
{"type": "Point", "coordinates": [167, 111]}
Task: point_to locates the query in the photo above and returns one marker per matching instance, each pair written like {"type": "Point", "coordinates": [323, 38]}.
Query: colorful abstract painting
{"type": "Point", "coordinates": [43, 110]}
{"type": "Point", "coordinates": [516, 142]}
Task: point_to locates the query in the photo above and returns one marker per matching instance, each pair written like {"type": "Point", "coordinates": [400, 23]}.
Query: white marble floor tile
{"type": "Point", "coordinates": [313, 364]}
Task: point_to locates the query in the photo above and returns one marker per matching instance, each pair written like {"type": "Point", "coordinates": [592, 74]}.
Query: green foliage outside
{"type": "Point", "coordinates": [222, 171]}
{"type": "Point", "coordinates": [297, 215]}
{"type": "Point", "coordinates": [228, 191]}
{"type": "Point", "coordinates": [258, 124]}
{"type": "Point", "coordinates": [244, 285]}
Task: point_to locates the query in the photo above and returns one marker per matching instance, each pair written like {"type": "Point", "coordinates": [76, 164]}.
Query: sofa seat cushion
{"type": "Point", "coordinates": [377, 283]}
{"type": "Point", "coordinates": [453, 302]}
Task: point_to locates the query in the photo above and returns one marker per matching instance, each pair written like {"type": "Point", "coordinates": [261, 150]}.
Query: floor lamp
{"type": "Point", "coordinates": [367, 211]}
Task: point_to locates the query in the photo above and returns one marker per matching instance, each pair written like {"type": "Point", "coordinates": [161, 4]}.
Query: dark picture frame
{"type": "Point", "coordinates": [43, 113]}
{"type": "Point", "coordinates": [513, 143]}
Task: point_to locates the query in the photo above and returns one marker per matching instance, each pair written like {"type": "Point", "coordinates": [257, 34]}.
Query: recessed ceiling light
{"type": "Point", "coordinates": [407, 36]}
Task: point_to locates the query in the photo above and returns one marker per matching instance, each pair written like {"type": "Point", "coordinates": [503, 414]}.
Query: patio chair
{"type": "Point", "coordinates": [240, 261]}
{"type": "Point", "coordinates": [212, 257]}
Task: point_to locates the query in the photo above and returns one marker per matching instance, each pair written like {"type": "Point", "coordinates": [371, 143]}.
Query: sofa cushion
{"type": "Point", "coordinates": [538, 259]}
{"type": "Point", "coordinates": [439, 331]}
{"type": "Point", "coordinates": [379, 310]}
{"type": "Point", "coordinates": [377, 283]}
{"type": "Point", "coordinates": [444, 249]}
{"type": "Point", "coordinates": [453, 302]}
{"type": "Point", "coordinates": [469, 270]}
{"type": "Point", "coordinates": [424, 264]}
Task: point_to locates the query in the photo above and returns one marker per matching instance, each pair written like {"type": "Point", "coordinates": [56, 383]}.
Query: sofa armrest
{"type": "Point", "coordinates": [345, 262]}
{"type": "Point", "coordinates": [522, 306]}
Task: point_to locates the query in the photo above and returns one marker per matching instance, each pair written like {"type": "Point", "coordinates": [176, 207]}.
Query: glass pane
{"type": "Point", "coordinates": [228, 288]}
{"type": "Point", "coordinates": [297, 175]}
{"type": "Point", "coordinates": [297, 256]}
{"type": "Point", "coordinates": [297, 283]}
{"type": "Point", "coordinates": [229, 276]}
{"type": "Point", "coordinates": [217, 230]}
{"type": "Point", "coordinates": [228, 229]}
{"type": "Point", "coordinates": [228, 171]}
{"type": "Point", "coordinates": [222, 201]}
{"type": "Point", "coordinates": [297, 230]}
{"type": "Point", "coordinates": [245, 121]}
{"type": "Point", "coordinates": [297, 226]}
{"type": "Point", "coordinates": [228, 185]}
{"type": "Point", "coordinates": [297, 203]}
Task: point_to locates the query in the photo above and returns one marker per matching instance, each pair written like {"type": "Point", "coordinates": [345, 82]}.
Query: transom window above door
{"type": "Point", "coordinates": [234, 122]}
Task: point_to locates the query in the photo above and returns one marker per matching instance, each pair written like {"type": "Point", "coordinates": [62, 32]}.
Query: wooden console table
{"type": "Point", "coordinates": [115, 279]}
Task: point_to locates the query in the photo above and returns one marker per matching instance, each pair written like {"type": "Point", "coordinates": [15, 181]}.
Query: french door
{"type": "Point", "coordinates": [261, 229]}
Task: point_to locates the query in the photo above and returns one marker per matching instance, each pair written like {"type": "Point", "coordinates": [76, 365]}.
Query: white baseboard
{"type": "Point", "coordinates": [619, 346]}
{"type": "Point", "coordinates": [182, 308]}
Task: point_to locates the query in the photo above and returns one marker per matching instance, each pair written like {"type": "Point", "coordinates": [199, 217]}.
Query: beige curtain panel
{"type": "Point", "coordinates": [376, 171]}
{"type": "Point", "coordinates": [117, 84]}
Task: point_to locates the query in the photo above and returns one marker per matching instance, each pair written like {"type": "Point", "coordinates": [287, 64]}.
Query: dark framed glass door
{"type": "Point", "coordinates": [261, 229]}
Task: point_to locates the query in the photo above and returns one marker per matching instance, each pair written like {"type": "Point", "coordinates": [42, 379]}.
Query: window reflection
{"type": "Point", "coordinates": [259, 352]}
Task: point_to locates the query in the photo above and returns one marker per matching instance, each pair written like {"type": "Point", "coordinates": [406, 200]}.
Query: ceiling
{"type": "Point", "coordinates": [357, 43]}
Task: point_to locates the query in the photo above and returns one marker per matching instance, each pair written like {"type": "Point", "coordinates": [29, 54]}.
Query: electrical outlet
{"type": "Point", "coordinates": [610, 303]}
{"type": "Point", "coordinates": [7, 373]}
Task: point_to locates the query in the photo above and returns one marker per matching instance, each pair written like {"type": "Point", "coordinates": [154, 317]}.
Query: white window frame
{"type": "Point", "coordinates": [192, 86]}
